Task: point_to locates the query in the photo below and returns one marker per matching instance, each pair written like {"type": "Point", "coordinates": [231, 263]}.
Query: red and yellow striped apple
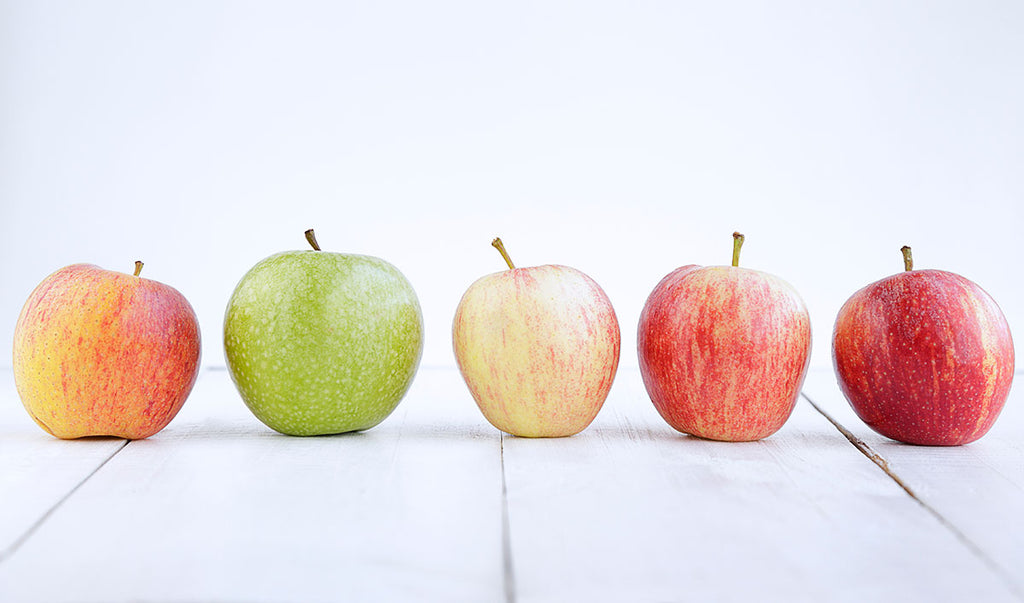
{"type": "Point", "coordinates": [103, 353]}
{"type": "Point", "coordinates": [724, 350]}
{"type": "Point", "coordinates": [538, 348]}
{"type": "Point", "coordinates": [924, 357]}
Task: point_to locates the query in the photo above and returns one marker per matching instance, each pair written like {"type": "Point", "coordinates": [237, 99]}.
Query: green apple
{"type": "Point", "coordinates": [321, 343]}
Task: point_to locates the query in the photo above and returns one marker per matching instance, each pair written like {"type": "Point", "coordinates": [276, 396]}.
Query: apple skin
{"type": "Point", "coordinates": [724, 351]}
{"type": "Point", "coordinates": [103, 353]}
{"type": "Point", "coordinates": [538, 348]}
{"type": "Point", "coordinates": [924, 357]}
{"type": "Point", "coordinates": [321, 343]}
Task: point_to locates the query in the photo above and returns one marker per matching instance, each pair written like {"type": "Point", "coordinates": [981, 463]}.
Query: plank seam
{"type": "Point", "coordinates": [13, 548]}
{"type": "Point", "coordinates": [882, 464]}
{"type": "Point", "coordinates": [506, 533]}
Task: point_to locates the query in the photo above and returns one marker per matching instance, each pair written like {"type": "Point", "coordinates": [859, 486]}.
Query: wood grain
{"type": "Point", "coordinates": [219, 508]}
{"type": "Point", "coordinates": [435, 505]}
{"type": "Point", "coordinates": [37, 470]}
{"type": "Point", "coordinates": [976, 489]}
{"type": "Point", "coordinates": [631, 510]}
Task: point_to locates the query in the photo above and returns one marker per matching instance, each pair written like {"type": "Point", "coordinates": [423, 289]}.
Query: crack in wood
{"type": "Point", "coordinates": [506, 533]}
{"type": "Point", "coordinates": [13, 548]}
{"type": "Point", "coordinates": [878, 460]}
{"type": "Point", "coordinates": [866, 450]}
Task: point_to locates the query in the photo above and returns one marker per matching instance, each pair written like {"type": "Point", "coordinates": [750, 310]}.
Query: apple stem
{"type": "Point", "coordinates": [908, 259]}
{"type": "Point", "coordinates": [501, 249]}
{"type": "Point", "coordinates": [737, 243]}
{"type": "Point", "coordinates": [138, 268]}
{"type": "Point", "coordinates": [311, 237]}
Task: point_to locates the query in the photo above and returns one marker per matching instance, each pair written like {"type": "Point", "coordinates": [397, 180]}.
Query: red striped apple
{"type": "Point", "coordinates": [538, 348]}
{"type": "Point", "coordinates": [724, 350]}
{"type": "Point", "coordinates": [99, 352]}
{"type": "Point", "coordinates": [924, 357]}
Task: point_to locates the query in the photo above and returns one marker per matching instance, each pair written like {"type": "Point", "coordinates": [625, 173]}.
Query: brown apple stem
{"type": "Point", "coordinates": [737, 243]}
{"type": "Point", "coordinates": [501, 249]}
{"type": "Point", "coordinates": [138, 268]}
{"type": "Point", "coordinates": [311, 237]}
{"type": "Point", "coordinates": [908, 259]}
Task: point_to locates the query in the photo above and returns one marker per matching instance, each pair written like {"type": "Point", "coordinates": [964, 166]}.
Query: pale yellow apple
{"type": "Point", "coordinates": [538, 348]}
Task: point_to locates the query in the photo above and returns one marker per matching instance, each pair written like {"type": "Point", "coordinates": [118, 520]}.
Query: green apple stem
{"type": "Point", "coordinates": [501, 249]}
{"type": "Point", "coordinates": [737, 243]}
{"type": "Point", "coordinates": [138, 267]}
{"type": "Point", "coordinates": [908, 259]}
{"type": "Point", "coordinates": [311, 237]}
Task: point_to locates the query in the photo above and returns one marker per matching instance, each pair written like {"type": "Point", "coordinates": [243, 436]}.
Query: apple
{"type": "Point", "coordinates": [104, 353]}
{"type": "Point", "coordinates": [924, 356]}
{"type": "Point", "coordinates": [321, 343]}
{"type": "Point", "coordinates": [724, 350]}
{"type": "Point", "coordinates": [538, 348]}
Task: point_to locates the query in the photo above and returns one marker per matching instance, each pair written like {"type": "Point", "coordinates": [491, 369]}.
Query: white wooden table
{"type": "Point", "coordinates": [435, 505]}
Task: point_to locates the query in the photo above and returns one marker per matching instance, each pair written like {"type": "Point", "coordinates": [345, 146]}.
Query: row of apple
{"type": "Point", "coordinates": [322, 343]}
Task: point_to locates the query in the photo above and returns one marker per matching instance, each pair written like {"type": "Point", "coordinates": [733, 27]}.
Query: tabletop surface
{"type": "Point", "coordinates": [434, 504]}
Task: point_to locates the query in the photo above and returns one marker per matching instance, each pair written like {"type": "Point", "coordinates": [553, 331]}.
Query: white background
{"type": "Point", "coordinates": [622, 138]}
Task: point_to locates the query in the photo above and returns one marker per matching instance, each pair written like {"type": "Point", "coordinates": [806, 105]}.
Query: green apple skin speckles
{"type": "Point", "coordinates": [321, 343]}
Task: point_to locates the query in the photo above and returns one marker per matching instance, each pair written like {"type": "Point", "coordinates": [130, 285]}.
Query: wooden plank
{"type": "Point", "coordinates": [630, 510]}
{"type": "Point", "coordinates": [219, 508]}
{"type": "Point", "coordinates": [37, 471]}
{"type": "Point", "coordinates": [978, 489]}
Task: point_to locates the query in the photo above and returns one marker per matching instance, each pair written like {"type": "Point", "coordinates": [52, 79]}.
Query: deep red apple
{"type": "Point", "coordinates": [724, 350]}
{"type": "Point", "coordinates": [924, 357]}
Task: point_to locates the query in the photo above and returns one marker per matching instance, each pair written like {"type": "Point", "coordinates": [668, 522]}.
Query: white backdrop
{"type": "Point", "coordinates": [622, 138]}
